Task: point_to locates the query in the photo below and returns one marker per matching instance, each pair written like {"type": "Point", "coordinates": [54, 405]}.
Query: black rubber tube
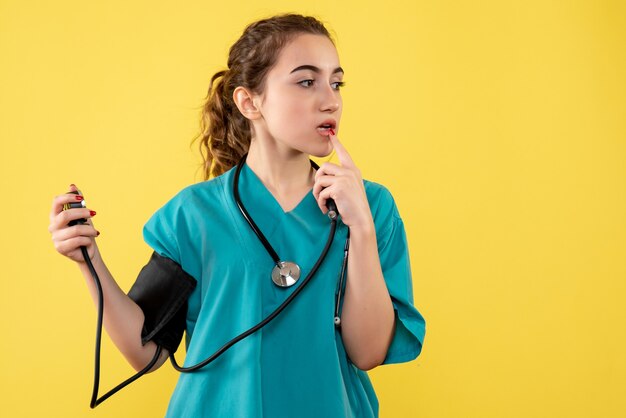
{"type": "Point", "coordinates": [95, 401]}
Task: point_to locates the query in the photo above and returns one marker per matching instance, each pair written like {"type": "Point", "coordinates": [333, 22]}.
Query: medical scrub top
{"type": "Point", "coordinates": [295, 366]}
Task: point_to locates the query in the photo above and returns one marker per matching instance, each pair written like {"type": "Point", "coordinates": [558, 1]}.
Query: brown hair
{"type": "Point", "coordinates": [225, 134]}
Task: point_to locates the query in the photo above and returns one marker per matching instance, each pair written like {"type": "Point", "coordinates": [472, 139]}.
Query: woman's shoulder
{"type": "Point", "coordinates": [384, 211]}
{"type": "Point", "coordinates": [380, 199]}
{"type": "Point", "coordinates": [207, 193]}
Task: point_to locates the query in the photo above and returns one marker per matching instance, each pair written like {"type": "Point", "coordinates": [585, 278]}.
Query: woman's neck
{"type": "Point", "coordinates": [286, 173]}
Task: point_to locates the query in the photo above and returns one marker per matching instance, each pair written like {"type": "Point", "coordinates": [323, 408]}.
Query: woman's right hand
{"type": "Point", "coordinates": [68, 239]}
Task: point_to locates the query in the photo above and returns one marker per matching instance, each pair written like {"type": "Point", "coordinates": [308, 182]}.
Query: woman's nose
{"type": "Point", "coordinates": [331, 101]}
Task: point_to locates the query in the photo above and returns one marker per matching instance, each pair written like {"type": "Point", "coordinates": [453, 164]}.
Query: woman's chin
{"type": "Point", "coordinates": [320, 153]}
{"type": "Point", "coordinates": [322, 150]}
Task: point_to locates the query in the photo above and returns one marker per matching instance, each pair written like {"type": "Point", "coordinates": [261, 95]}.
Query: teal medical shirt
{"type": "Point", "coordinates": [296, 366]}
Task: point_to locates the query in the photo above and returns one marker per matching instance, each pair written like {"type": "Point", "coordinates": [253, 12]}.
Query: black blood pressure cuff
{"type": "Point", "coordinates": [161, 291]}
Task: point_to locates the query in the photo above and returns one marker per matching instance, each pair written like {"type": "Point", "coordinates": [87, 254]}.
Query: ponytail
{"type": "Point", "coordinates": [224, 132]}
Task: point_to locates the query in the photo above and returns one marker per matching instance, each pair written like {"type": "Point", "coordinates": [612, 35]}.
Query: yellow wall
{"type": "Point", "coordinates": [498, 126]}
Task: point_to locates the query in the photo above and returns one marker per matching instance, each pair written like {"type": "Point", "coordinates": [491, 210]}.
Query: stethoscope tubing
{"type": "Point", "coordinates": [247, 216]}
{"type": "Point", "coordinates": [270, 317]}
{"type": "Point", "coordinates": [95, 401]}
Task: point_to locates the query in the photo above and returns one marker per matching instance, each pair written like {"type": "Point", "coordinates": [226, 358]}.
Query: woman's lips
{"type": "Point", "coordinates": [324, 131]}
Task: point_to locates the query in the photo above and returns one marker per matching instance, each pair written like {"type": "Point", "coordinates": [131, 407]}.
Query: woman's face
{"type": "Point", "coordinates": [301, 94]}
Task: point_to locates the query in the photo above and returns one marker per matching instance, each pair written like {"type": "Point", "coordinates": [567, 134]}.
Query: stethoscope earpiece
{"type": "Point", "coordinates": [332, 209]}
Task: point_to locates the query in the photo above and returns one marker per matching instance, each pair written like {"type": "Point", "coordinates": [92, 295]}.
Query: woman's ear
{"type": "Point", "coordinates": [245, 101]}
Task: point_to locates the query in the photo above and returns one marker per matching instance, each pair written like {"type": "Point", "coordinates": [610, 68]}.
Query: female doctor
{"type": "Point", "coordinates": [278, 102]}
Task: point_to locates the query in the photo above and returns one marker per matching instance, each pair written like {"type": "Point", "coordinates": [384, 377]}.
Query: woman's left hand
{"type": "Point", "coordinates": [344, 184]}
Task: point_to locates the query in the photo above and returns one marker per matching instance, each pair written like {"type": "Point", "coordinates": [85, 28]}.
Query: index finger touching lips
{"type": "Point", "coordinates": [342, 153]}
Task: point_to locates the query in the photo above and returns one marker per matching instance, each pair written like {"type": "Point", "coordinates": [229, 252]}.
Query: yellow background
{"type": "Point", "coordinates": [498, 126]}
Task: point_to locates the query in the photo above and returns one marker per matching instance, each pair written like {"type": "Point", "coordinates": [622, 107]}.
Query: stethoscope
{"type": "Point", "coordinates": [284, 274]}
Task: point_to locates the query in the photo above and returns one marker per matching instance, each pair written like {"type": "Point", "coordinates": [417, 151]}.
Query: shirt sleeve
{"type": "Point", "coordinates": [159, 234]}
{"type": "Point", "coordinates": [393, 251]}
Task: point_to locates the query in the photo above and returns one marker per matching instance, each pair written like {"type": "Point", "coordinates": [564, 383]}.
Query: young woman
{"type": "Point", "coordinates": [277, 103]}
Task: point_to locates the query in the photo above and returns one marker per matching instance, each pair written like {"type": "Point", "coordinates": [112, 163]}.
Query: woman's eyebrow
{"type": "Point", "coordinates": [315, 69]}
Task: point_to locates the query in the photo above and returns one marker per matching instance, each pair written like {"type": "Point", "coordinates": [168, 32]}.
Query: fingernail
{"type": "Point", "coordinates": [332, 132]}
{"type": "Point", "coordinates": [97, 233]}
{"type": "Point", "coordinates": [92, 212]}
{"type": "Point", "coordinates": [79, 198]}
{"type": "Point", "coordinates": [72, 185]}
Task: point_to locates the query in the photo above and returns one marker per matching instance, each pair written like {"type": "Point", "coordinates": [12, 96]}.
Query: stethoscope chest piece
{"type": "Point", "coordinates": [285, 274]}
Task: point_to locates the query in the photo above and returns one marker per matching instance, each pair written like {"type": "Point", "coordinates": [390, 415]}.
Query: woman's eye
{"type": "Point", "coordinates": [309, 83]}
{"type": "Point", "coordinates": [306, 83]}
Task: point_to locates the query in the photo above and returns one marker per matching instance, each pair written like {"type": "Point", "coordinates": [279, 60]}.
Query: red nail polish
{"type": "Point", "coordinates": [332, 132]}
{"type": "Point", "coordinates": [92, 212]}
{"type": "Point", "coordinates": [79, 198]}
